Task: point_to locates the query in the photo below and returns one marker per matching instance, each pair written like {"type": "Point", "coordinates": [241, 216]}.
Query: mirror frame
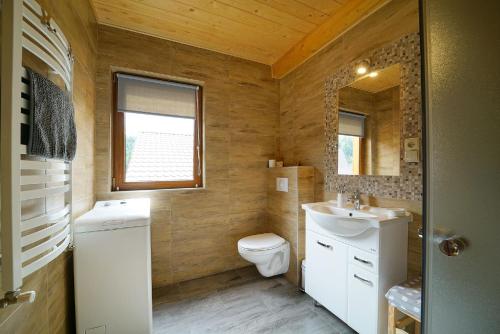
{"type": "Point", "coordinates": [408, 185]}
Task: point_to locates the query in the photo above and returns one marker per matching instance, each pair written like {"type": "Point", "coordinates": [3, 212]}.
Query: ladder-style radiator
{"type": "Point", "coordinates": [36, 223]}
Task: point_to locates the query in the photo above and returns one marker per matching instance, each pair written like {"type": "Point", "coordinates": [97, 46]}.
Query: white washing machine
{"type": "Point", "coordinates": [112, 263]}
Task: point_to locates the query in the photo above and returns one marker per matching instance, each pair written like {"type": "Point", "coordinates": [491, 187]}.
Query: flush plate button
{"type": "Point", "coordinates": [282, 184]}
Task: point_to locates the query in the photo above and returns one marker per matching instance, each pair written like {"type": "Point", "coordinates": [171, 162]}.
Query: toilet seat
{"type": "Point", "coordinates": [260, 242]}
{"type": "Point", "coordinates": [259, 252]}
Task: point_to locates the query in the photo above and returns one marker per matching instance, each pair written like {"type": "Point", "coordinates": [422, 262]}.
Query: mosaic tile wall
{"type": "Point", "coordinates": [408, 185]}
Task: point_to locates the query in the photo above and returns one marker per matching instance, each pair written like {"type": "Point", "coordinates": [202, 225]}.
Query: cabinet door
{"type": "Point", "coordinates": [326, 273]}
{"type": "Point", "coordinates": [362, 301]}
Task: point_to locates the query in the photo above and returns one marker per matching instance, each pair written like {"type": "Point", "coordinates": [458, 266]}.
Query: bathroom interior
{"type": "Point", "coordinates": [216, 166]}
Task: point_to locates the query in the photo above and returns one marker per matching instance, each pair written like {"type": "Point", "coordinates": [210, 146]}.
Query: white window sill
{"type": "Point", "coordinates": [156, 191]}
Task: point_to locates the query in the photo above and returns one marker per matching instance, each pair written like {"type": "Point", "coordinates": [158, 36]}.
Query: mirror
{"type": "Point", "coordinates": [369, 124]}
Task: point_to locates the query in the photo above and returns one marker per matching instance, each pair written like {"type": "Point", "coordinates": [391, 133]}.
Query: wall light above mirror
{"type": "Point", "coordinates": [369, 124]}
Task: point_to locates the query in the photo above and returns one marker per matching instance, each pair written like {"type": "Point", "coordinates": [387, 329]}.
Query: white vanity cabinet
{"type": "Point", "coordinates": [349, 275]}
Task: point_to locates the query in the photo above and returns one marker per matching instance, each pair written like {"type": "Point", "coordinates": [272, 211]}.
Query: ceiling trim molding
{"type": "Point", "coordinates": [344, 19]}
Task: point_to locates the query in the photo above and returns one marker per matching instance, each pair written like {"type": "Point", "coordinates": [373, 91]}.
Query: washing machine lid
{"type": "Point", "coordinates": [116, 214]}
{"type": "Point", "coordinates": [261, 241]}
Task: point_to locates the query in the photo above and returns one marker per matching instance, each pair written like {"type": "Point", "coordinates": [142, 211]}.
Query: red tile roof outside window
{"type": "Point", "coordinates": [162, 150]}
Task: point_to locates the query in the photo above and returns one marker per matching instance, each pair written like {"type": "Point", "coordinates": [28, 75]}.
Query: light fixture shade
{"type": "Point", "coordinates": [362, 67]}
{"type": "Point", "coordinates": [361, 70]}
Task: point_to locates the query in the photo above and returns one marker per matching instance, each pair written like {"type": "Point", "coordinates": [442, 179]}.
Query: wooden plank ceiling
{"type": "Point", "coordinates": [281, 33]}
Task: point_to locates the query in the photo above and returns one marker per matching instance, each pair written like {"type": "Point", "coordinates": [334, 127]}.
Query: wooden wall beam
{"type": "Point", "coordinates": [346, 17]}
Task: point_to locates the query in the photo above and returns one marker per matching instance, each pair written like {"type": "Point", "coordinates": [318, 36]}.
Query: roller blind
{"type": "Point", "coordinates": [351, 124]}
{"type": "Point", "coordinates": [147, 95]}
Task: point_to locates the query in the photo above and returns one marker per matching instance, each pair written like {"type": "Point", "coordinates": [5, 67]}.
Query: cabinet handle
{"type": "Point", "coordinates": [324, 245]}
{"type": "Point", "coordinates": [361, 260]}
{"type": "Point", "coordinates": [363, 279]}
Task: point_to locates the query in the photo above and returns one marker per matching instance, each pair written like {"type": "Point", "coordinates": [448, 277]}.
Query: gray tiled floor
{"type": "Point", "coordinates": [253, 305]}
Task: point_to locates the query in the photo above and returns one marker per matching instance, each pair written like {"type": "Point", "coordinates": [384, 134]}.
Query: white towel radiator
{"type": "Point", "coordinates": [36, 223]}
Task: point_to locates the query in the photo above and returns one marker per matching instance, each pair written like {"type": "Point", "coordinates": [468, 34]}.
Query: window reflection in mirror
{"type": "Point", "coordinates": [369, 124]}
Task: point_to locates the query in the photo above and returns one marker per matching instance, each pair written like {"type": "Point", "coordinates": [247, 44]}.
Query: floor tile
{"type": "Point", "coordinates": [241, 302]}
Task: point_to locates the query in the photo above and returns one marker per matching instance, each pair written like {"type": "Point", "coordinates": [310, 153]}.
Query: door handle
{"type": "Point", "coordinates": [449, 243]}
{"type": "Point", "coordinates": [324, 245]}
{"type": "Point", "coordinates": [452, 246]}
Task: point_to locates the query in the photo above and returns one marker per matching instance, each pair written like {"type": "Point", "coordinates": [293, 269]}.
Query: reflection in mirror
{"type": "Point", "coordinates": [1, 273]}
{"type": "Point", "coordinates": [369, 124]}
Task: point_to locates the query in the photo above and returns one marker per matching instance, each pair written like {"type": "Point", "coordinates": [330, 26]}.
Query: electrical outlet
{"type": "Point", "coordinates": [412, 150]}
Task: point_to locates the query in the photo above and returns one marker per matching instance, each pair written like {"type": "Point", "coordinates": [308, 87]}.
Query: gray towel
{"type": "Point", "coordinates": [52, 122]}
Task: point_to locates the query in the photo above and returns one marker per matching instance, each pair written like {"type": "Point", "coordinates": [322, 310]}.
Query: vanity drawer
{"type": "Point", "coordinates": [363, 259]}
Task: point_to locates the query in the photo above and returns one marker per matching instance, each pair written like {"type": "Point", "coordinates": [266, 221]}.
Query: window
{"type": "Point", "coordinates": [351, 132]}
{"type": "Point", "coordinates": [349, 147]}
{"type": "Point", "coordinates": [157, 135]}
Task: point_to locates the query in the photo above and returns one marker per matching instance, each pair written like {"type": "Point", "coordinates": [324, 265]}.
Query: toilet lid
{"type": "Point", "coordinates": [261, 241]}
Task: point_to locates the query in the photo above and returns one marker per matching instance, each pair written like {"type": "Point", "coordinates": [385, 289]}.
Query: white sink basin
{"type": "Point", "coordinates": [347, 222]}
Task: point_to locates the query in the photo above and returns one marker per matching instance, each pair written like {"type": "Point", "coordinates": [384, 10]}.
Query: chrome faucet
{"type": "Point", "coordinates": [356, 199]}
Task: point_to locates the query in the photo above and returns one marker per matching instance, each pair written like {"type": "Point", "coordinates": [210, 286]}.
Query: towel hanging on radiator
{"type": "Point", "coordinates": [52, 122]}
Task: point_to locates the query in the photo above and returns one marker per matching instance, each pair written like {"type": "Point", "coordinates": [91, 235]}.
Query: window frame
{"type": "Point", "coordinates": [118, 182]}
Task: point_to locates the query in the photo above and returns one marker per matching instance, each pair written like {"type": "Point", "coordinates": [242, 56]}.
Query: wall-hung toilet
{"type": "Point", "coordinates": [268, 251]}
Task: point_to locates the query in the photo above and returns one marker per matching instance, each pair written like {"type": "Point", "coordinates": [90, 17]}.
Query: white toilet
{"type": "Point", "coordinates": [268, 251]}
